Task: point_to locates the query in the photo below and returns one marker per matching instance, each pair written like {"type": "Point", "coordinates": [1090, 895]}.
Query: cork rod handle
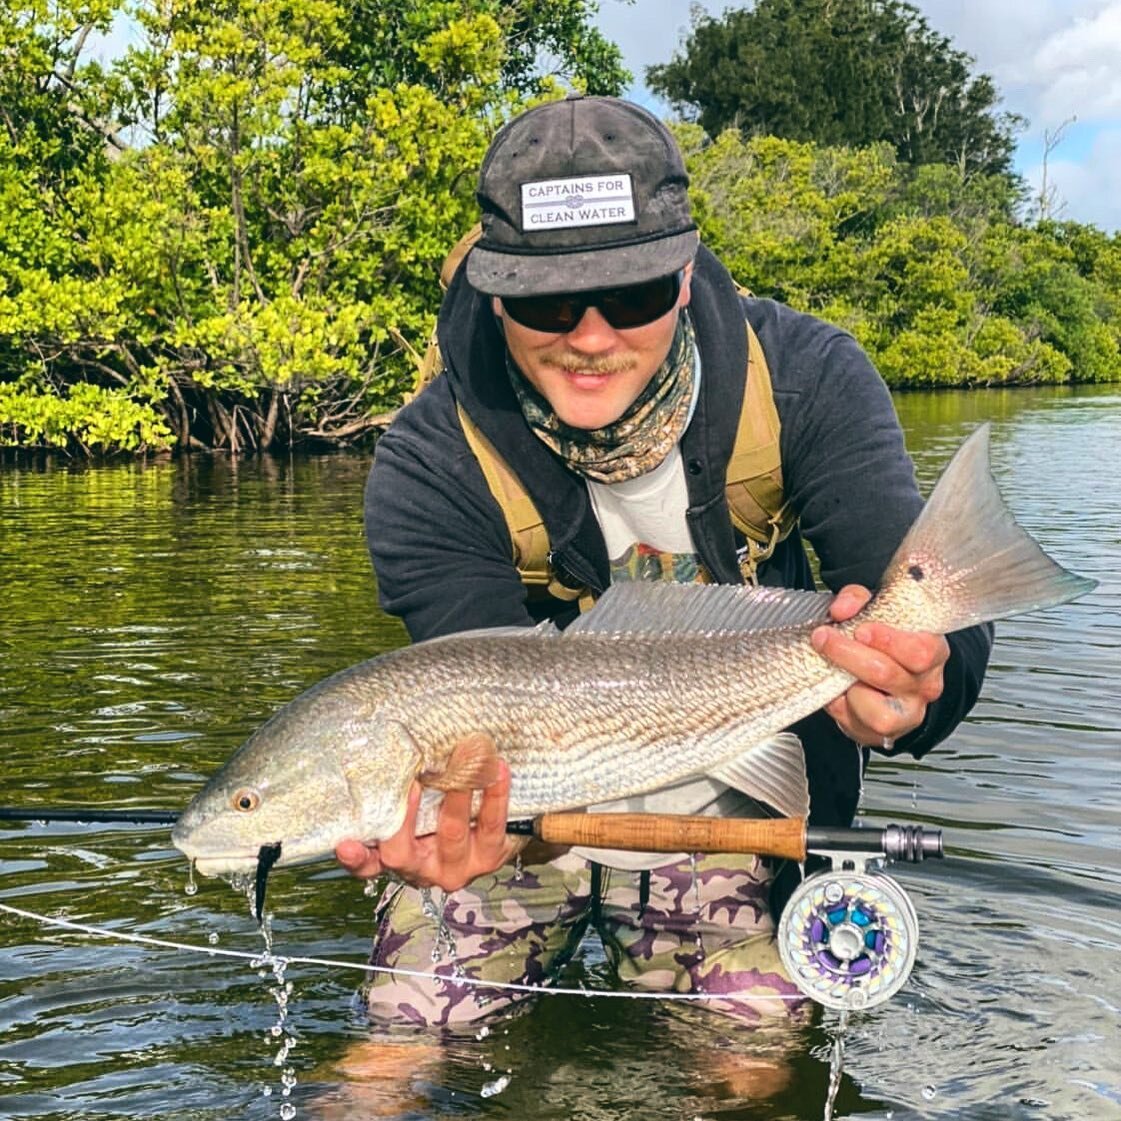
{"type": "Point", "coordinates": [782, 837]}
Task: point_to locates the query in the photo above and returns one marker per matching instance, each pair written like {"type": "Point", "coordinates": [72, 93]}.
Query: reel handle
{"type": "Point", "coordinates": [909, 843]}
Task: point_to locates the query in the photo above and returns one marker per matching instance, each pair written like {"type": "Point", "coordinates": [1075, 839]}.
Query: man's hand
{"type": "Point", "coordinates": [898, 673]}
{"type": "Point", "coordinates": [451, 857]}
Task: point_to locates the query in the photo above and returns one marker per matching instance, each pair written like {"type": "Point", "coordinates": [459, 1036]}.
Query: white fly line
{"type": "Point", "coordinates": [283, 960]}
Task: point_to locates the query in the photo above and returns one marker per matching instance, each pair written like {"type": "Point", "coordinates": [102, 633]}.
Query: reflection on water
{"type": "Point", "coordinates": [152, 615]}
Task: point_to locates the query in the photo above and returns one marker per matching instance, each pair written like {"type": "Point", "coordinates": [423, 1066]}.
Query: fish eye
{"type": "Point", "coordinates": [246, 801]}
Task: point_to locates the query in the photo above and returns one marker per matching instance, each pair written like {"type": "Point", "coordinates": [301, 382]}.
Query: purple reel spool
{"type": "Point", "coordinates": [849, 939]}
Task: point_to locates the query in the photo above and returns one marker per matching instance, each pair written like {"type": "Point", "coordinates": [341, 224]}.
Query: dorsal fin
{"type": "Point", "coordinates": [651, 607]}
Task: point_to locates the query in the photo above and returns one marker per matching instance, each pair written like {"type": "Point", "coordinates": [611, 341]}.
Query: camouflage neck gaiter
{"type": "Point", "coordinates": [641, 438]}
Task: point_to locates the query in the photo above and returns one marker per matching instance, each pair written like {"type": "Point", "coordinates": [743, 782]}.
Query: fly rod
{"type": "Point", "coordinates": [790, 837]}
{"type": "Point", "coordinates": [89, 815]}
{"type": "Point", "coordinates": [787, 837]}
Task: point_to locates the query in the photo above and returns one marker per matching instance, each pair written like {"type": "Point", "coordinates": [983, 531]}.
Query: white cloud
{"type": "Point", "coordinates": [1087, 190]}
{"type": "Point", "coordinates": [1078, 67]}
{"type": "Point", "coordinates": [1051, 59]}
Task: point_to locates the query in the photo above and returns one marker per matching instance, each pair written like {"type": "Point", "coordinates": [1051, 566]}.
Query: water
{"type": "Point", "coordinates": [151, 616]}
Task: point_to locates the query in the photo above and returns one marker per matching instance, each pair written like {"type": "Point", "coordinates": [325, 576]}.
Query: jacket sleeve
{"type": "Point", "coordinates": [847, 472]}
{"type": "Point", "coordinates": [437, 538]}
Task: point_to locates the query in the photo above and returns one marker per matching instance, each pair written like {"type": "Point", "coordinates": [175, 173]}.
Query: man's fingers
{"type": "Point", "coordinates": [453, 829]}
{"type": "Point", "coordinates": [490, 825]}
{"type": "Point", "coordinates": [918, 653]}
{"type": "Point", "coordinates": [864, 662]}
{"type": "Point", "coordinates": [848, 601]}
{"type": "Point", "coordinates": [456, 853]}
{"type": "Point", "coordinates": [358, 859]}
{"type": "Point", "coordinates": [399, 852]}
{"type": "Point", "coordinates": [867, 716]}
{"type": "Point", "coordinates": [496, 799]}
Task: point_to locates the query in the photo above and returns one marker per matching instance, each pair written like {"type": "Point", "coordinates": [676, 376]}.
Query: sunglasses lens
{"type": "Point", "coordinates": [639, 304]}
{"type": "Point", "coordinates": [632, 306]}
{"type": "Point", "coordinates": [545, 313]}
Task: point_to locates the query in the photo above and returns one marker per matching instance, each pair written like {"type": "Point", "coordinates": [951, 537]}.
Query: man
{"type": "Point", "coordinates": [602, 353]}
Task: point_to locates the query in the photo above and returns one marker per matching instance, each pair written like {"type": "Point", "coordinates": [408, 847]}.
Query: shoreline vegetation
{"type": "Point", "coordinates": [230, 237]}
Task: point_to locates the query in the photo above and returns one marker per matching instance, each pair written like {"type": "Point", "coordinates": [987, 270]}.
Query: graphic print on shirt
{"type": "Point", "coordinates": [645, 562]}
{"type": "Point", "coordinates": [645, 527]}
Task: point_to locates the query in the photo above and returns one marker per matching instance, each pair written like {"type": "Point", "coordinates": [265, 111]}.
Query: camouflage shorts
{"type": "Point", "coordinates": [680, 928]}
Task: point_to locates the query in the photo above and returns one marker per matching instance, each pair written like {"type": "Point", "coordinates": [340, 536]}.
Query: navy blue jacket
{"type": "Point", "coordinates": [441, 550]}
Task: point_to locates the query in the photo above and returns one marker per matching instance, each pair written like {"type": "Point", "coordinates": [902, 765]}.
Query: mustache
{"type": "Point", "coordinates": [572, 363]}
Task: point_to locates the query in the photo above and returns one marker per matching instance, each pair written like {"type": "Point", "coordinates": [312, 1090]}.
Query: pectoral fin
{"type": "Point", "coordinates": [472, 765]}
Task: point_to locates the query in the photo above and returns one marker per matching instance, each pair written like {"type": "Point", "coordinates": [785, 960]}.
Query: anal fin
{"type": "Point", "coordinates": [772, 772]}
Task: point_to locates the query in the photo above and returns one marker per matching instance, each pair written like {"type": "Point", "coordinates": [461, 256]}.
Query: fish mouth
{"type": "Point", "coordinates": [243, 865]}
{"type": "Point", "coordinates": [228, 864]}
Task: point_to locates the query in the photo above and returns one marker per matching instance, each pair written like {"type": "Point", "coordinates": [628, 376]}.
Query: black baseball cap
{"type": "Point", "coordinates": [588, 192]}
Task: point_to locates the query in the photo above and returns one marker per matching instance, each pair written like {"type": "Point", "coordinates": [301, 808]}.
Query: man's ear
{"type": "Point", "coordinates": [686, 286]}
{"type": "Point", "coordinates": [496, 308]}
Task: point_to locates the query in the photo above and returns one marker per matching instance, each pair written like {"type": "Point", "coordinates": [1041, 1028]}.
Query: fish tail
{"type": "Point", "coordinates": [966, 560]}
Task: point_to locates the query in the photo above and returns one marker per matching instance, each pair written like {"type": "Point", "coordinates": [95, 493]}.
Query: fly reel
{"type": "Point", "coordinates": [848, 937]}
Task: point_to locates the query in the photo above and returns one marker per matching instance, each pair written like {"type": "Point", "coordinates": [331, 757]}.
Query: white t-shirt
{"type": "Point", "coordinates": [647, 535]}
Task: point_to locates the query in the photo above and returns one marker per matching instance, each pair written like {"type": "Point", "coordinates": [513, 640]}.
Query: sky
{"type": "Point", "coordinates": [1056, 62]}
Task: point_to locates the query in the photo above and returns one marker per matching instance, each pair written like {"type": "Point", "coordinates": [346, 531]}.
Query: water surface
{"type": "Point", "coordinates": [151, 615]}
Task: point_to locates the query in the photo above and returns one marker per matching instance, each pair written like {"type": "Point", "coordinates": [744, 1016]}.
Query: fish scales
{"type": "Point", "coordinates": [665, 709]}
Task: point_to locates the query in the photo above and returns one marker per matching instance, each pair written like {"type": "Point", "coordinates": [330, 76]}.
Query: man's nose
{"type": "Point", "coordinates": [592, 334]}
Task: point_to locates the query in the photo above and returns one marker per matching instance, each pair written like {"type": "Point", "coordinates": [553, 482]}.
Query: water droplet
{"type": "Point", "coordinates": [836, 1064]}
{"type": "Point", "coordinates": [928, 1093]}
{"type": "Point", "coordinates": [275, 1031]}
{"type": "Point", "coordinates": [495, 1087]}
{"type": "Point", "coordinates": [287, 1111]}
{"type": "Point", "coordinates": [212, 938]}
{"type": "Point", "coordinates": [483, 1032]}
{"type": "Point", "coordinates": [266, 1092]}
{"type": "Point", "coordinates": [444, 944]}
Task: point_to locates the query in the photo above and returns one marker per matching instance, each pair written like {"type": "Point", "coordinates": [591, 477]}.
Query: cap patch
{"type": "Point", "coordinates": [585, 200]}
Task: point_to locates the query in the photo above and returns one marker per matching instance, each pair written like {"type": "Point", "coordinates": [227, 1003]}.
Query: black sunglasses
{"type": "Point", "coordinates": [632, 306]}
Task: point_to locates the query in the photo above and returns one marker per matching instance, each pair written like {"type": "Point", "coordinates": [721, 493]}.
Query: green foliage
{"type": "Point", "coordinates": [855, 72]}
{"type": "Point", "coordinates": [87, 415]}
{"type": "Point", "coordinates": [251, 269]}
{"type": "Point", "coordinates": [925, 266]}
{"type": "Point", "coordinates": [542, 40]}
{"type": "Point", "coordinates": [231, 238]}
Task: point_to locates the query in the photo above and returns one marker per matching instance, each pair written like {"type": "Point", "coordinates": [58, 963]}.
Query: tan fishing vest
{"type": "Point", "coordinates": [753, 485]}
